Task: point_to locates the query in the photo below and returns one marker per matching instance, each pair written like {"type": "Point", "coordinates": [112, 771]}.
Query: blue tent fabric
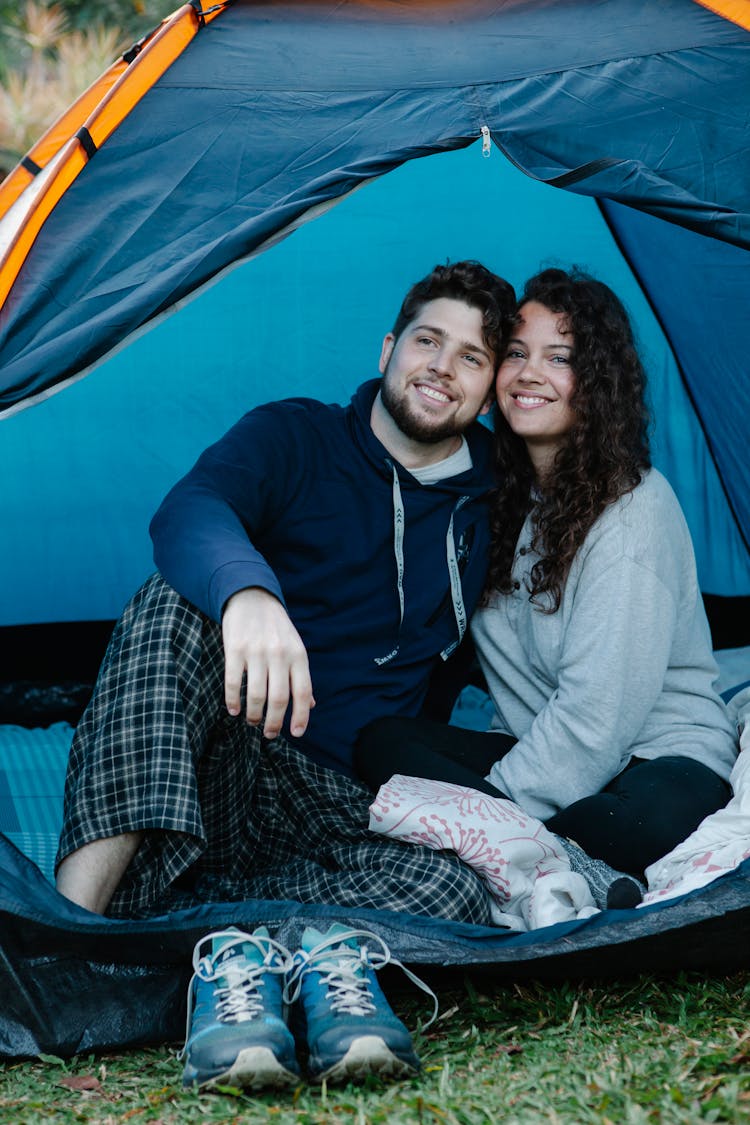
{"type": "Point", "coordinates": [272, 113]}
{"type": "Point", "coordinates": [718, 312]}
{"type": "Point", "coordinates": [647, 108]}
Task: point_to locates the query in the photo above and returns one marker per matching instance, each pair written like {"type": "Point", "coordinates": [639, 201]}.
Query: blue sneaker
{"type": "Point", "coordinates": [351, 1030]}
{"type": "Point", "coordinates": [237, 1034]}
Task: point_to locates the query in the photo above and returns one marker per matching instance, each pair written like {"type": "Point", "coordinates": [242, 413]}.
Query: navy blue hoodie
{"type": "Point", "coordinates": [299, 498]}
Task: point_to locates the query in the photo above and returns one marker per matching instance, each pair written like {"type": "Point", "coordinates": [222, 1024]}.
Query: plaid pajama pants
{"type": "Point", "coordinates": [227, 815]}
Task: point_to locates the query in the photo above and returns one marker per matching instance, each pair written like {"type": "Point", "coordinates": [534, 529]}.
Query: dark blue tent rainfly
{"type": "Point", "coordinates": [275, 109]}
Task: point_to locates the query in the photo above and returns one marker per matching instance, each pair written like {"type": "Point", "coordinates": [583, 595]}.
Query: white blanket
{"type": "Point", "coordinates": [527, 873]}
{"type": "Point", "coordinates": [722, 840]}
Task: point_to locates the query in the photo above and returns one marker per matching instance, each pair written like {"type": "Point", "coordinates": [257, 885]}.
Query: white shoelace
{"type": "Point", "coordinates": [341, 968]}
{"type": "Point", "coordinates": [239, 999]}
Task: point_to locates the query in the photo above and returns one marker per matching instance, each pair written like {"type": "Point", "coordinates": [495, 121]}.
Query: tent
{"type": "Point", "coordinates": [145, 208]}
{"type": "Point", "coordinates": [269, 114]}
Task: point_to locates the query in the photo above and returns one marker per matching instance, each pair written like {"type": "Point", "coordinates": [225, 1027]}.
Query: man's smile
{"type": "Point", "coordinates": [433, 393]}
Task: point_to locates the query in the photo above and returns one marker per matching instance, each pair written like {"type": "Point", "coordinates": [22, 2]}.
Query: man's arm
{"type": "Point", "coordinates": [202, 547]}
{"type": "Point", "coordinates": [208, 530]}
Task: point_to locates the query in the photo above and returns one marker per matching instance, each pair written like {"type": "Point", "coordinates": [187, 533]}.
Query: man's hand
{"type": "Point", "coordinates": [261, 642]}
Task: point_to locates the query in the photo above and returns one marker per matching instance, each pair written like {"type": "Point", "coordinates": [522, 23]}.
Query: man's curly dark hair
{"type": "Point", "coordinates": [471, 282]}
{"type": "Point", "coordinates": [604, 453]}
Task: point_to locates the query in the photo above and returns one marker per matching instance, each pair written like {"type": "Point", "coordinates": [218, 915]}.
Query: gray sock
{"type": "Point", "coordinates": [609, 888]}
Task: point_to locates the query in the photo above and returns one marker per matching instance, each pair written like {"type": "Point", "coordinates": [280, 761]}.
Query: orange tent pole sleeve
{"type": "Point", "coordinates": [738, 11]}
{"type": "Point", "coordinates": [167, 43]}
{"type": "Point", "coordinates": [50, 143]}
{"type": "Point", "coordinates": [56, 136]}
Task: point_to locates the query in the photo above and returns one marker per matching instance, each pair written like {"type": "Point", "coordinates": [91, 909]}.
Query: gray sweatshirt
{"type": "Point", "coordinates": [623, 668]}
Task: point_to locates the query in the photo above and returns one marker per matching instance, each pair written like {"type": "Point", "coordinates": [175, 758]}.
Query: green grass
{"type": "Point", "coordinates": [636, 1052]}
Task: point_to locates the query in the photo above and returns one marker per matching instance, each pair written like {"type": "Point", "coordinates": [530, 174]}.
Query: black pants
{"type": "Point", "coordinates": [638, 817]}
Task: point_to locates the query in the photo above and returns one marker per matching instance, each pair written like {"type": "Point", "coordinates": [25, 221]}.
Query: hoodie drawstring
{"type": "Point", "coordinates": [398, 550]}
{"type": "Point", "coordinates": [457, 594]}
{"type": "Point", "coordinates": [454, 572]}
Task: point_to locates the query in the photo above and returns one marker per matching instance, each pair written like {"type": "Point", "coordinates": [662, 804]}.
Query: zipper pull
{"type": "Point", "coordinates": [486, 149]}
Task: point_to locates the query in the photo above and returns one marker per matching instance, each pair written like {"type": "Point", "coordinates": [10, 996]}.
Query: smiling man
{"type": "Point", "coordinates": [331, 555]}
{"type": "Point", "coordinates": [316, 565]}
{"type": "Point", "coordinates": [435, 371]}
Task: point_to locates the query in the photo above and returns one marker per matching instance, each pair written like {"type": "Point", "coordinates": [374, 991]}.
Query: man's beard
{"type": "Point", "coordinates": [415, 426]}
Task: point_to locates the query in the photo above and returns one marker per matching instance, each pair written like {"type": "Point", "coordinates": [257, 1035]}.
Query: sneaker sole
{"type": "Point", "coordinates": [367, 1055]}
{"type": "Point", "coordinates": [255, 1068]}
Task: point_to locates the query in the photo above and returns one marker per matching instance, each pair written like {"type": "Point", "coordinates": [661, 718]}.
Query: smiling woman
{"type": "Point", "coordinates": [535, 383]}
{"type": "Point", "coordinates": [593, 637]}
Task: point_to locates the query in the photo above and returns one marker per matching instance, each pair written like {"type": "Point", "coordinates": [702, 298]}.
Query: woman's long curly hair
{"type": "Point", "coordinates": [605, 451]}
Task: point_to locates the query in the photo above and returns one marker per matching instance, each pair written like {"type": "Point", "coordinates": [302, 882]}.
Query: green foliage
{"type": "Point", "coordinates": [136, 17]}
{"type": "Point", "coordinates": [673, 1053]}
{"type": "Point", "coordinates": [133, 18]}
{"type": "Point", "coordinates": [52, 50]}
